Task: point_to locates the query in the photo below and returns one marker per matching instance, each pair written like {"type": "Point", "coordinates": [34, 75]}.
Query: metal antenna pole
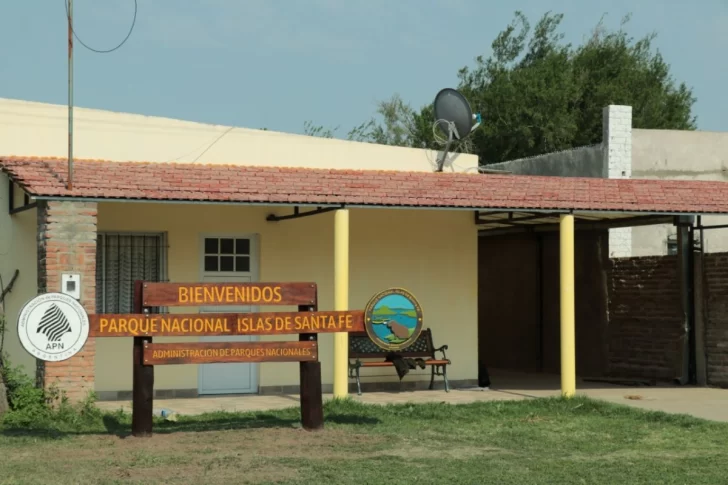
{"type": "Point", "coordinates": [441, 160]}
{"type": "Point", "coordinates": [70, 94]}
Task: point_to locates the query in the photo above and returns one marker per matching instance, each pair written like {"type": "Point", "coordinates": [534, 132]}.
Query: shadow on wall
{"type": "Point", "coordinates": [587, 161]}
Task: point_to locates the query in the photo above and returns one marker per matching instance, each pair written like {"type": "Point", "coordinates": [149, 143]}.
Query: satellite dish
{"type": "Point", "coordinates": [454, 118]}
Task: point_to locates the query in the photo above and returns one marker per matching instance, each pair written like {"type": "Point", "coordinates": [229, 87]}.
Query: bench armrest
{"type": "Point", "coordinates": [442, 349]}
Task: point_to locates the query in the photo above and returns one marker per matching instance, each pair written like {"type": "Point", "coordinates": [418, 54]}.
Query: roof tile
{"type": "Point", "coordinates": [97, 179]}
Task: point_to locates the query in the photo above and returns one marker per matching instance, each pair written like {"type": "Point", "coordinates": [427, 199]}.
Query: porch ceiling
{"type": "Point", "coordinates": [525, 199]}
{"type": "Point", "coordinates": [498, 223]}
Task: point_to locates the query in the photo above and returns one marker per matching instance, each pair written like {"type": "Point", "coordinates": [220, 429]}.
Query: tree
{"type": "Point", "coordinates": [310, 129]}
{"type": "Point", "coordinates": [401, 126]}
{"type": "Point", "coordinates": [538, 94]}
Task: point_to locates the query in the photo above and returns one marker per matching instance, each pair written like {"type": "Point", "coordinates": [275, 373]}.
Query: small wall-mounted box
{"type": "Point", "coordinates": [71, 285]}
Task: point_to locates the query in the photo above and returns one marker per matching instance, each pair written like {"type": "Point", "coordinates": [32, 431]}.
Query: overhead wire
{"type": "Point", "coordinates": [213, 143]}
{"type": "Point", "coordinates": [99, 51]}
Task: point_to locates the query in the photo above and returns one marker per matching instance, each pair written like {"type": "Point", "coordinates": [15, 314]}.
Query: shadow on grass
{"type": "Point", "coordinates": [119, 424]}
{"type": "Point", "coordinates": [349, 413]}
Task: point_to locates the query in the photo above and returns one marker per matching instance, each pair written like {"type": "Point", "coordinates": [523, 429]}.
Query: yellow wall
{"type": "Point", "coordinates": [18, 250]}
{"type": "Point", "coordinates": [431, 253]}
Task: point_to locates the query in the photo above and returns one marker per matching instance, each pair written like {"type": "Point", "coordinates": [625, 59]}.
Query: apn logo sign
{"type": "Point", "coordinates": [53, 327]}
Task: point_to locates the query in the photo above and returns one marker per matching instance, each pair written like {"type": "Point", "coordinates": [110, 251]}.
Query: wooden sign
{"type": "Point", "coordinates": [226, 352]}
{"type": "Point", "coordinates": [209, 324]}
{"type": "Point", "coordinates": [240, 294]}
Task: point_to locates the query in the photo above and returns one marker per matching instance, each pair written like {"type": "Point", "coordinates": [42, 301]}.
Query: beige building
{"type": "Point", "coordinates": [163, 241]}
{"type": "Point", "coordinates": [193, 202]}
{"type": "Point", "coordinates": [679, 155]}
{"type": "Point", "coordinates": [627, 152]}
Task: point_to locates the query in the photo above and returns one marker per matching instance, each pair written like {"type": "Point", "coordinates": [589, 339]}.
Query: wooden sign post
{"type": "Point", "coordinates": [143, 326]}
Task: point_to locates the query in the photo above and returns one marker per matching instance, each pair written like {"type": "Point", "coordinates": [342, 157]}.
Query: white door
{"type": "Point", "coordinates": [228, 259]}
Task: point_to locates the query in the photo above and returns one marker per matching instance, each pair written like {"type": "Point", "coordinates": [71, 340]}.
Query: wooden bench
{"type": "Point", "coordinates": [361, 347]}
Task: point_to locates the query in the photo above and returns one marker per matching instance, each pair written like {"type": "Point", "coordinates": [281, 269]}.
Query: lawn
{"type": "Point", "coordinates": [522, 442]}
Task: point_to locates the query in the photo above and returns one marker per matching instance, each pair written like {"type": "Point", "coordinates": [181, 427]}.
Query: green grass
{"type": "Point", "coordinates": [518, 442]}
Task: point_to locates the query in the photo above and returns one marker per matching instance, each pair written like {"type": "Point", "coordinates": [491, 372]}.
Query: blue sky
{"type": "Point", "coordinates": [278, 63]}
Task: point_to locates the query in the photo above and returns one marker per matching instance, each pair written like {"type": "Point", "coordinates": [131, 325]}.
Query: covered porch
{"type": "Point", "coordinates": [353, 232]}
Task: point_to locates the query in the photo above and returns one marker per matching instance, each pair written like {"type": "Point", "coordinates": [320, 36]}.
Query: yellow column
{"type": "Point", "coordinates": [341, 300]}
{"type": "Point", "coordinates": [568, 341]}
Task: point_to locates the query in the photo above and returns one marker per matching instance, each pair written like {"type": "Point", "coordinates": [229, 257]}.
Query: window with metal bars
{"type": "Point", "coordinates": [672, 243]}
{"type": "Point", "coordinates": [121, 259]}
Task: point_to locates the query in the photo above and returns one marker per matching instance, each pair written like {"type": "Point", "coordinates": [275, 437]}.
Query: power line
{"type": "Point", "coordinates": [213, 143]}
{"type": "Point", "coordinates": [98, 51]}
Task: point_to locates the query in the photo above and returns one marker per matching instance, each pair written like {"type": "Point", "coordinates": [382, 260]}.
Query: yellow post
{"type": "Point", "coordinates": [341, 300]}
{"type": "Point", "coordinates": [568, 341]}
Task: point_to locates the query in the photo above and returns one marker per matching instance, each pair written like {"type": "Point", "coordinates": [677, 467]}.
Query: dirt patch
{"type": "Point", "coordinates": [235, 456]}
{"type": "Point", "coordinates": [457, 453]}
{"type": "Point", "coordinates": [291, 442]}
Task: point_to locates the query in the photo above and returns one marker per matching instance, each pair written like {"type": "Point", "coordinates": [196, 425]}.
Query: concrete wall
{"type": "Point", "coordinates": [585, 161]}
{"type": "Point", "coordinates": [39, 129]}
{"type": "Point", "coordinates": [388, 248]}
{"type": "Point", "coordinates": [643, 154]}
{"type": "Point", "coordinates": [18, 250]}
{"type": "Point", "coordinates": [609, 159]}
{"type": "Point", "coordinates": [679, 155]}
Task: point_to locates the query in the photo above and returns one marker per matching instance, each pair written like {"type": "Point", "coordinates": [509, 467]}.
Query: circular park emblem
{"type": "Point", "coordinates": [53, 327]}
{"type": "Point", "coordinates": [393, 319]}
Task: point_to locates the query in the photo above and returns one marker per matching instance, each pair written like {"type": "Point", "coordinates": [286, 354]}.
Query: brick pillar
{"type": "Point", "coordinates": [617, 140]}
{"type": "Point", "coordinates": [67, 244]}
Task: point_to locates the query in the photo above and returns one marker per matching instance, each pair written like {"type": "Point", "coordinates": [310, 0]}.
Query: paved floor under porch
{"type": "Point", "coordinates": [707, 403]}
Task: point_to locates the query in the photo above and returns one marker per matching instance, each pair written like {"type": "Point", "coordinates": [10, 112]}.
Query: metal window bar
{"type": "Point", "coordinates": [123, 258]}
{"type": "Point", "coordinates": [672, 242]}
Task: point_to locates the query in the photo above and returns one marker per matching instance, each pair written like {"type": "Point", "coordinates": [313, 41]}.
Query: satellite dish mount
{"type": "Point", "coordinates": [454, 118]}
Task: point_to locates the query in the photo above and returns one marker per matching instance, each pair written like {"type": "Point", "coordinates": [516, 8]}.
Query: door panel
{"type": "Point", "coordinates": [509, 303]}
{"type": "Point", "coordinates": [228, 378]}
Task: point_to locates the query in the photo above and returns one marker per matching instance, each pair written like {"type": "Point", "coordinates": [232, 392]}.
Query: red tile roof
{"type": "Point", "coordinates": [277, 185]}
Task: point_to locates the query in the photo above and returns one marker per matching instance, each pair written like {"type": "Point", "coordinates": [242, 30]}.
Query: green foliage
{"type": "Point", "coordinates": [310, 129]}
{"type": "Point", "coordinates": [32, 407]}
{"type": "Point", "coordinates": [538, 94]}
{"type": "Point", "coordinates": [22, 392]}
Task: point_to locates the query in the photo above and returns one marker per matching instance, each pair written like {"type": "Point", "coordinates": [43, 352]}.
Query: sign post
{"type": "Point", "coordinates": [312, 406]}
{"type": "Point", "coordinates": [143, 326]}
{"type": "Point", "coordinates": [55, 327]}
{"type": "Point", "coordinates": [142, 405]}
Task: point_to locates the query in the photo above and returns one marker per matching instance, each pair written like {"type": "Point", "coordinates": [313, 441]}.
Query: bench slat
{"type": "Point", "coordinates": [388, 364]}
{"type": "Point", "coordinates": [360, 346]}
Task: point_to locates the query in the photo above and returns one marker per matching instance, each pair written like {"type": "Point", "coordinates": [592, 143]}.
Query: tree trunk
{"type": "Point", "coordinates": [3, 397]}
